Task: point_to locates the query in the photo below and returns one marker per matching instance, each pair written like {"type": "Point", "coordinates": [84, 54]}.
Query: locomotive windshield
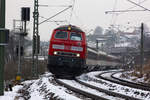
{"type": "Point", "coordinates": [61, 35]}
{"type": "Point", "coordinates": [75, 36]}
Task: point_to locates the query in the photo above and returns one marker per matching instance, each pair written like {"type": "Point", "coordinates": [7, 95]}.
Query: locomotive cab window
{"type": "Point", "coordinates": [61, 35]}
{"type": "Point", "coordinates": [75, 36]}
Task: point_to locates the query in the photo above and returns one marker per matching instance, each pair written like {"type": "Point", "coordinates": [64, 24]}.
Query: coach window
{"type": "Point", "coordinates": [75, 36]}
{"type": "Point", "coordinates": [61, 35]}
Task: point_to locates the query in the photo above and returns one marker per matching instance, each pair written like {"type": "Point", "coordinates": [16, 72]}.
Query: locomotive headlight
{"type": "Point", "coordinates": [55, 53]}
{"type": "Point", "coordinates": [78, 55]}
{"type": "Point", "coordinates": [69, 28]}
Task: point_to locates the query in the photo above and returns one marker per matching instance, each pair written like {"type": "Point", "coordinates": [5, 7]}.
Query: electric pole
{"type": "Point", "coordinates": [35, 39]}
{"type": "Point", "coordinates": [36, 36]}
{"type": "Point", "coordinates": [2, 47]}
{"type": "Point", "coordinates": [4, 36]}
{"type": "Point", "coordinates": [142, 38]}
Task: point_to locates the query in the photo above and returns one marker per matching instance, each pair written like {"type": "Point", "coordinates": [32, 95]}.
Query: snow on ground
{"type": "Point", "coordinates": [130, 78]}
{"type": "Point", "coordinates": [118, 75]}
{"type": "Point", "coordinates": [107, 75]}
{"type": "Point", "coordinates": [40, 89]}
{"type": "Point", "coordinates": [89, 90]}
{"type": "Point", "coordinates": [44, 89]}
{"type": "Point", "coordinates": [137, 93]}
{"type": "Point", "coordinates": [10, 95]}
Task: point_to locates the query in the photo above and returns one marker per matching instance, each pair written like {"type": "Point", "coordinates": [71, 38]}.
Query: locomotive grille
{"type": "Point", "coordinates": [66, 53]}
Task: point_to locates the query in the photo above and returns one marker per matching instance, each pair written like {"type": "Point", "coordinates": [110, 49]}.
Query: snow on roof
{"type": "Point", "coordinates": [126, 44]}
{"type": "Point", "coordinates": [132, 36]}
{"type": "Point", "coordinates": [101, 39]}
{"type": "Point", "coordinates": [91, 44]}
{"type": "Point", "coordinates": [112, 56]}
{"type": "Point", "coordinates": [89, 49]}
{"type": "Point", "coordinates": [102, 53]}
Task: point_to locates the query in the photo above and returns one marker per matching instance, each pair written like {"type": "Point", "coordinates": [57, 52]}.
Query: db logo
{"type": "Point", "coordinates": [79, 43]}
{"type": "Point", "coordinates": [67, 47]}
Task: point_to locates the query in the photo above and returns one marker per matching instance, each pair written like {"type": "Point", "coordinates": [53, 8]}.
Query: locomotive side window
{"type": "Point", "coordinates": [61, 35]}
{"type": "Point", "coordinates": [75, 36]}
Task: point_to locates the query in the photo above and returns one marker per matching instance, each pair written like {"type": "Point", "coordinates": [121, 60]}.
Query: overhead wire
{"type": "Point", "coordinates": [56, 22]}
{"type": "Point", "coordinates": [54, 5]}
{"type": "Point", "coordinates": [138, 5]}
{"type": "Point", "coordinates": [81, 23]}
{"type": "Point", "coordinates": [73, 4]}
{"type": "Point", "coordinates": [113, 20]}
{"type": "Point", "coordinates": [55, 15]}
{"type": "Point", "coordinates": [140, 2]}
{"type": "Point", "coordinates": [73, 13]}
{"type": "Point", "coordinates": [128, 9]}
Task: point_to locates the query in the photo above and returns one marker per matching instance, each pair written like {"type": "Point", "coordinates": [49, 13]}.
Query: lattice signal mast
{"type": "Point", "coordinates": [35, 39]}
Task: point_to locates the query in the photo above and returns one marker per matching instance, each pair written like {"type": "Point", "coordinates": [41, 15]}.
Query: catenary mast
{"type": "Point", "coordinates": [35, 47]}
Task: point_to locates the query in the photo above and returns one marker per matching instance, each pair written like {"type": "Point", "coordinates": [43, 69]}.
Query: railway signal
{"type": "Point", "coordinates": [25, 16]}
{"type": "Point", "coordinates": [21, 50]}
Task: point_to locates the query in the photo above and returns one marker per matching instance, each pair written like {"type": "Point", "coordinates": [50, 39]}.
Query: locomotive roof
{"type": "Point", "coordinates": [73, 28]}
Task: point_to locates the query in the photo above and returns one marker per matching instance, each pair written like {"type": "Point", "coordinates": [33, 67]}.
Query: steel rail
{"type": "Point", "coordinates": [87, 94]}
{"type": "Point", "coordinates": [124, 82]}
{"type": "Point", "coordinates": [108, 92]}
{"type": "Point", "coordinates": [131, 84]}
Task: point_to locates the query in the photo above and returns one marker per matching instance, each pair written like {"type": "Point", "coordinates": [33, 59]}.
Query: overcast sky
{"type": "Point", "coordinates": [86, 14]}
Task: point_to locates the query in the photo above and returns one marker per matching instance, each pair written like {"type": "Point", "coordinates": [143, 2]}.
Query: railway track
{"type": "Point", "coordinates": [108, 92]}
{"type": "Point", "coordinates": [94, 96]}
{"type": "Point", "coordinates": [87, 94]}
{"type": "Point", "coordinates": [103, 88]}
{"type": "Point", "coordinates": [138, 91]}
{"type": "Point", "coordinates": [125, 91]}
{"type": "Point", "coordinates": [131, 84]}
{"type": "Point", "coordinates": [88, 90]}
{"type": "Point", "coordinates": [124, 82]}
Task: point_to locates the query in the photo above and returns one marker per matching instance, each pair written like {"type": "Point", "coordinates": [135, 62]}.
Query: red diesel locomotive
{"type": "Point", "coordinates": [67, 51]}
